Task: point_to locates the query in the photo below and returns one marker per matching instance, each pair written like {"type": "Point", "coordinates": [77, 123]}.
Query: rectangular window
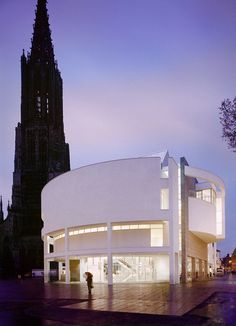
{"type": "Point", "coordinates": [164, 173]}
{"type": "Point", "coordinates": [199, 194]}
{"type": "Point", "coordinates": [207, 195]}
{"type": "Point", "coordinates": [164, 198]}
{"type": "Point", "coordinates": [219, 216]}
{"type": "Point", "coordinates": [157, 236]}
{"type": "Point", "coordinates": [51, 248]}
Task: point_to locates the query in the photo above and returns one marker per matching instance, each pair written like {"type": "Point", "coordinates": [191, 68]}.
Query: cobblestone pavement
{"type": "Point", "coordinates": [30, 302]}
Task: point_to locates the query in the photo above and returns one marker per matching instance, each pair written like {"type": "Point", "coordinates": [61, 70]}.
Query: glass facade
{"type": "Point", "coordinates": [140, 268]}
{"type": "Point", "coordinates": [189, 268]}
{"type": "Point", "coordinates": [125, 268]}
{"type": "Point", "coordinates": [97, 266]}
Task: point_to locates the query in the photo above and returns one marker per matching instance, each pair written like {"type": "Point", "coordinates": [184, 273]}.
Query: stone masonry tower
{"type": "Point", "coordinates": [41, 152]}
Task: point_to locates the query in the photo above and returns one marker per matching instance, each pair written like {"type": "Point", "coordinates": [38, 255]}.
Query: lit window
{"type": "Point", "coordinates": [116, 227]}
{"type": "Point", "coordinates": [180, 239]}
{"type": "Point", "coordinates": [164, 198]}
{"type": "Point", "coordinates": [134, 226]}
{"type": "Point", "coordinates": [219, 216]}
{"type": "Point", "coordinates": [206, 195]}
{"type": "Point", "coordinates": [156, 226]}
{"type": "Point", "coordinates": [75, 232]}
{"type": "Point", "coordinates": [38, 103]}
{"type": "Point", "coordinates": [88, 230]}
{"type": "Point", "coordinates": [157, 237]}
{"type": "Point", "coordinates": [47, 105]}
{"type": "Point", "coordinates": [144, 226]}
{"type": "Point", "coordinates": [62, 235]}
{"type": "Point", "coordinates": [199, 194]}
{"type": "Point", "coordinates": [164, 172]}
{"type": "Point", "coordinates": [102, 228]}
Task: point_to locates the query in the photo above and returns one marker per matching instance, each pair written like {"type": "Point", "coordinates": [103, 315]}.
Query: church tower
{"type": "Point", "coordinates": [41, 152]}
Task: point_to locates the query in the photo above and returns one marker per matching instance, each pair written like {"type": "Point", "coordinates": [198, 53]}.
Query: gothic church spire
{"type": "Point", "coordinates": [42, 47]}
{"type": "Point", "coordinates": [41, 152]}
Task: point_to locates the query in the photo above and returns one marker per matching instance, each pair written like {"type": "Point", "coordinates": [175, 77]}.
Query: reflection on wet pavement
{"type": "Point", "coordinates": [220, 308]}
{"type": "Point", "coordinates": [31, 302]}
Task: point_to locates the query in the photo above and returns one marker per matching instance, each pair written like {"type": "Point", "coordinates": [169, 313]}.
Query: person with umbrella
{"type": "Point", "coordinates": [89, 279]}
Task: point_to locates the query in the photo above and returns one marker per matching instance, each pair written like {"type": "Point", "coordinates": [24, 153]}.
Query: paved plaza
{"type": "Point", "coordinates": [30, 302]}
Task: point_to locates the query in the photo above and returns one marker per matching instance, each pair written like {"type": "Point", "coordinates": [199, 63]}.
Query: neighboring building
{"type": "Point", "coordinates": [233, 262]}
{"type": "Point", "coordinates": [226, 262]}
{"type": "Point", "coordinates": [144, 219]}
{"type": "Point", "coordinates": [41, 152]}
{"type": "Point", "coordinates": [218, 259]}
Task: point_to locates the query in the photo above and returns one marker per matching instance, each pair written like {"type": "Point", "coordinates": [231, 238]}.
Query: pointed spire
{"type": "Point", "coordinates": [8, 206]}
{"type": "Point", "coordinates": [42, 48]}
{"type": "Point", "coordinates": [23, 57]}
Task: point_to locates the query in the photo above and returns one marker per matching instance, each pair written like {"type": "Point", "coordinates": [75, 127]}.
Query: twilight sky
{"type": "Point", "coordinates": [140, 76]}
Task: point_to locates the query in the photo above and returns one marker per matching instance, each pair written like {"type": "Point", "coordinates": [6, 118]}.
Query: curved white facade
{"type": "Point", "coordinates": [121, 220]}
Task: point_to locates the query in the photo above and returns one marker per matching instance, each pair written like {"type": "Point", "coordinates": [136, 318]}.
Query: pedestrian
{"type": "Point", "coordinates": [89, 279]}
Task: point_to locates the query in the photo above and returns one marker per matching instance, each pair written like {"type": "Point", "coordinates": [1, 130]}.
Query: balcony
{"type": "Point", "coordinates": [202, 219]}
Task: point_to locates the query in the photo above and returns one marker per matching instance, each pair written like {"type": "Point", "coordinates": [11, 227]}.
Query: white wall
{"type": "Point", "coordinates": [202, 217]}
{"type": "Point", "coordinates": [122, 190]}
{"type": "Point", "coordinates": [93, 240]}
{"type": "Point", "coordinates": [59, 245]}
{"type": "Point", "coordinates": [131, 238]}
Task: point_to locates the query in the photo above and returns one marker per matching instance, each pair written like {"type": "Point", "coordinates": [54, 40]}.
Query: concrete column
{"type": "Point", "coordinates": [67, 270]}
{"type": "Point", "coordinates": [206, 271]}
{"type": "Point", "coordinates": [46, 270]}
{"type": "Point", "coordinates": [200, 268]}
{"type": "Point", "coordinates": [186, 185]}
{"type": "Point", "coordinates": [45, 245]}
{"type": "Point", "coordinates": [109, 253]}
{"type": "Point", "coordinates": [67, 260]}
{"type": "Point", "coordinates": [172, 267]}
{"type": "Point", "coordinates": [173, 221]}
{"type": "Point", "coordinates": [46, 262]}
{"type": "Point", "coordinates": [177, 280]}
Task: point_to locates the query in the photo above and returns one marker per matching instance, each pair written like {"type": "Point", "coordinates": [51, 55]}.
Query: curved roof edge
{"type": "Point", "coordinates": [105, 162]}
{"type": "Point", "coordinates": [206, 175]}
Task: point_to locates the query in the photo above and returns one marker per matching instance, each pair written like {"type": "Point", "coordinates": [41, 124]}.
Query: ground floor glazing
{"type": "Point", "coordinates": [122, 269]}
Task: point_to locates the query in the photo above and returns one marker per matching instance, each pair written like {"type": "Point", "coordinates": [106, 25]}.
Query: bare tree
{"type": "Point", "coordinates": [228, 122]}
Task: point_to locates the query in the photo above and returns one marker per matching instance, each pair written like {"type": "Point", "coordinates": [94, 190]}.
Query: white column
{"type": "Point", "coordinates": [172, 268]}
{"type": "Point", "coordinates": [67, 260]}
{"type": "Point", "coordinates": [46, 270]}
{"type": "Point", "coordinates": [109, 253]}
{"type": "Point", "coordinates": [60, 271]}
{"type": "Point", "coordinates": [67, 270]}
{"type": "Point", "coordinates": [46, 262]}
{"type": "Point", "coordinates": [173, 220]}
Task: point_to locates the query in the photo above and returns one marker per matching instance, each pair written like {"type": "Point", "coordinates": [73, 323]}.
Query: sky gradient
{"type": "Point", "coordinates": [140, 76]}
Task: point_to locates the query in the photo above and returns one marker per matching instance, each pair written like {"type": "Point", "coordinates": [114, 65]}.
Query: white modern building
{"type": "Point", "coordinates": [145, 219]}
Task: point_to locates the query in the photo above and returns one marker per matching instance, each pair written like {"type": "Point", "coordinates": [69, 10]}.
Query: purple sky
{"type": "Point", "coordinates": [140, 76]}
